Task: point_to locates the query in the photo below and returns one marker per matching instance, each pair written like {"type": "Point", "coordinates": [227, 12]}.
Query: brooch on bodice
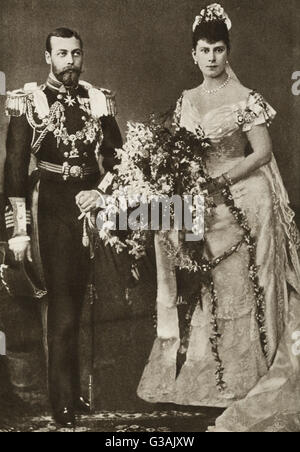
{"type": "Point", "coordinates": [245, 116]}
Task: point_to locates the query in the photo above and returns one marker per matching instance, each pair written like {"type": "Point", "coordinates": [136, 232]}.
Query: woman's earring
{"type": "Point", "coordinates": [196, 62]}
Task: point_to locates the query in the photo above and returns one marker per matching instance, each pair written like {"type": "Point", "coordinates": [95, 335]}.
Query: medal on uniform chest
{"type": "Point", "coordinates": [55, 123]}
{"type": "Point", "coordinates": [88, 134]}
{"type": "Point", "coordinates": [70, 101]}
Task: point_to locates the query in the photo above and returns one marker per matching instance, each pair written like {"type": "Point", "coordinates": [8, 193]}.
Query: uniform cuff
{"type": "Point", "coordinates": [106, 182]}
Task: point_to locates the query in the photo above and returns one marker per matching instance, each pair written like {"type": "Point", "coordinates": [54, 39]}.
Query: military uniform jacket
{"type": "Point", "coordinates": [67, 131]}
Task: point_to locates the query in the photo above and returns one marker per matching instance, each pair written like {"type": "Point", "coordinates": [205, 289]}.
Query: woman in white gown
{"type": "Point", "coordinates": [242, 352]}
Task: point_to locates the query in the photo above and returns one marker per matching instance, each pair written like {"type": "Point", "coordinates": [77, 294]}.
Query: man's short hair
{"type": "Point", "coordinates": [62, 33]}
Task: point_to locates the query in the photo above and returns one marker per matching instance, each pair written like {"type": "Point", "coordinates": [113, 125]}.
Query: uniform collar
{"type": "Point", "coordinates": [55, 85]}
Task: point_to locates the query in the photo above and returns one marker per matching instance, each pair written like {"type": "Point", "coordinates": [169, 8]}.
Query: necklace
{"type": "Point", "coordinates": [214, 91]}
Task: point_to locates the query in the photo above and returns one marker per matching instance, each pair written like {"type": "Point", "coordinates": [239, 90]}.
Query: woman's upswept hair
{"type": "Point", "coordinates": [212, 31]}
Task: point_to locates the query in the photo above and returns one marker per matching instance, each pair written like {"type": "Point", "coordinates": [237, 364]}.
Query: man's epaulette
{"type": "Point", "coordinates": [16, 101]}
{"type": "Point", "coordinates": [102, 100]}
{"type": "Point", "coordinates": [110, 101]}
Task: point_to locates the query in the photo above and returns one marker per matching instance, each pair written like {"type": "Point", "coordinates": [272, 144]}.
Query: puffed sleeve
{"type": "Point", "coordinates": [256, 112]}
{"type": "Point", "coordinates": [18, 151]}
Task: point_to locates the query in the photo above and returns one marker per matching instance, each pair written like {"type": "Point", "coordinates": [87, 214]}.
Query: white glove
{"type": "Point", "coordinates": [21, 247]}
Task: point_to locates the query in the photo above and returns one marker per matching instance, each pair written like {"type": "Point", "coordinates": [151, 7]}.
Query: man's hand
{"type": "Point", "coordinates": [89, 200]}
{"type": "Point", "coordinates": [21, 249]}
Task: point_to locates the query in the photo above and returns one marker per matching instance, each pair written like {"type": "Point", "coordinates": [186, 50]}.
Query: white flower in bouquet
{"type": "Point", "coordinates": [154, 162]}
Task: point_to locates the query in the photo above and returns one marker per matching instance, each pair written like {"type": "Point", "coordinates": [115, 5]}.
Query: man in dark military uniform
{"type": "Point", "coordinates": [69, 126]}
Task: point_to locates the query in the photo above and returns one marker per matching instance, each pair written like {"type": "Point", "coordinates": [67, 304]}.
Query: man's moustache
{"type": "Point", "coordinates": [71, 70]}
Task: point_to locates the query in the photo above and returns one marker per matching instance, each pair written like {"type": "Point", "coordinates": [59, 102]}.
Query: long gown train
{"type": "Point", "coordinates": [262, 384]}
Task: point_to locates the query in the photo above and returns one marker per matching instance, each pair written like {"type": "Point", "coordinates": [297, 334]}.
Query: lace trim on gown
{"type": "Point", "coordinates": [256, 397]}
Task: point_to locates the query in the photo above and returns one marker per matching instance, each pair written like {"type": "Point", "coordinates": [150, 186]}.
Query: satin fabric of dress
{"type": "Point", "coordinates": [259, 388]}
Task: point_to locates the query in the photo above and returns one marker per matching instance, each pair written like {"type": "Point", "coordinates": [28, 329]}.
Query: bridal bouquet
{"type": "Point", "coordinates": [156, 163]}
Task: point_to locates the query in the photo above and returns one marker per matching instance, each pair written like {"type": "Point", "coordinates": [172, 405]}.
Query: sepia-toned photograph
{"type": "Point", "coordinates": [149, 218]}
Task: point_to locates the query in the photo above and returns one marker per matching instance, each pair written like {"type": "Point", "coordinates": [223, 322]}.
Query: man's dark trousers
{"type": "Point", "coordinates": [66, 267]}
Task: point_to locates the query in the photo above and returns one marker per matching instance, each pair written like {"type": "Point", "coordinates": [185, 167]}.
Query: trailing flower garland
{"type": "Point", "coordinates": [152, 161]}
{"type": "Point", "coordinates": [215, 337]}
{"type": "Point", "coordinates": [203, 266]}
{"type": "Point", "coordinates": [253, 269]}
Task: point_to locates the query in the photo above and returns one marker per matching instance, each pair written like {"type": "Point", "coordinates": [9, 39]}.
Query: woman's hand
{"type": "Point", "coordinates": [210, 187]}
{"type": "Point", "coordinates": [215, 190]}
{"type": "Point", "coordinates": [216, 185]}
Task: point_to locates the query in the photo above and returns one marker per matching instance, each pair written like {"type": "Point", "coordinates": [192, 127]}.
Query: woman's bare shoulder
{"type": "Point", "coordinates": [192, 93]}
{"type": "Point", "coordinates": [239, 92]}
